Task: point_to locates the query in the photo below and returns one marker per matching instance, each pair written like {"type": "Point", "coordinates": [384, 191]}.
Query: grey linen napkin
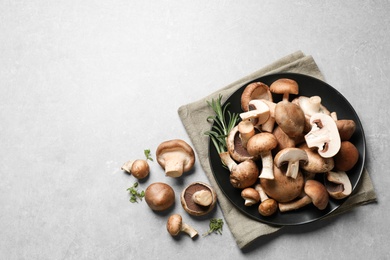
{"type": "Point", "coordinates": [193, 116]}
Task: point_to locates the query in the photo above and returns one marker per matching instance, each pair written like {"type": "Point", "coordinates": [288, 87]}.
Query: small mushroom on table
{"type": "Point", "coordinates": [138, 168]}
{"type": "Point", "coordinates": [175, 225]}
{"type": "Point", "coordinates": [175, 157]}
{"type": "Point", "coordinates": [198, 198]}
{"type": "Point", "coordinates": [159, 196]}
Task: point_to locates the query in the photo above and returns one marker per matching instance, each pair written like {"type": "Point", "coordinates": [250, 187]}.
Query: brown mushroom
{"type": "Point", "coordinates": [283, 188]}
{"type": "Point", "coordinates": [347, 156]}
{"type": "Point", "coordinates": [198, 199]}
{"type": "Point", "coordinates": [235, 146]}
{"type": "Point", "coordinates": [261, 144]}
{"type": "Point", "coordinates": [138, 168]}
{"type": "Point", "coordinates": [338, 184]}
{"type": "Point", "coordinates": [159, 196]}
{"type": "Point", "coordinates": [258, 112]}
{"type": "Point", "coordinates": [346, 128]}
{"type": "Point", "coordinates": [250, 195]}
{"type": "Point", "coordinates": [315, 192]}
{"type": "Point", "coordinates": [243, 174]}
{"type": "Point", "coordinates": [285, 87]}
{"type": "Point", "coordinates": [175, 225]}
{"type": "Point", "coordinates": [255, 90]}
{"type": "Point", "coordinates": [316, 163]}
{"type": "Point", "coordinates": [290, 118]}
{"type": "Point", "coordinates": [175, 157]}
{"type": "Point", "coordinates": [268, 206]}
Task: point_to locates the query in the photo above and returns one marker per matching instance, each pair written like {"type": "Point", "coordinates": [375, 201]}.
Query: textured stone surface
{"type": "Point", "coordinates": [88, 85]}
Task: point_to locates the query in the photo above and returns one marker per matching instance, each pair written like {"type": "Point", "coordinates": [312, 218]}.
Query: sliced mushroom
{"type": "Point", "coordinates": [258, 112]}
{"type": "Point", "coordinates": [175, 225]}
{"type": "Point", "coordinates": [251, 196]}
{"type": "Point", "coordinates": [324, 135]}
{"type": "Point", "coordinates": [315, 192]}
{"type": "Point", "coordinates": [338, 184]}
{"type": "Point", "coordinates": [285, 87]}
{"type": "Point", "coordinates": [175, 157]}
{"type": "Point", "coordinates": [293, 157]}
{"type": "Point", "coordinates": [198, 199]}
{"type": "Point", "coordinates": [262, 144]}
{"type": "Point", "coordinates": [255, 90]}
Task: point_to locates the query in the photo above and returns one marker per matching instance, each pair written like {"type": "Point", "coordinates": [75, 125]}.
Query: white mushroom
{"type": "Point", "coordinates": [324, 135]}
{"type": "Point", "coordinates": [293, 157]}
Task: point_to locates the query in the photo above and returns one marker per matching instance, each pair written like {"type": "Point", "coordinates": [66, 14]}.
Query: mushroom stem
{"type": "Point", "coordinates": [246, 130]}
{"type": "Point", "coordinates": [227, 160]}
{"type": "Point", "coordinates": [267, 171]}
{"type": "Point", "coordinates": [127, 166]}
{"type": "Point", "coordinates": [174, 167]}
{"type": "Point", "coordinates": [297, 204]}
{"type": "Point", "coordinates": [292, 169]}
{"type": "Point", "coordinates": [202, 197]}
{"type": "Point", "coordinates": [314, 104]}
{"type": "Point", "coordinates": [189, 230]}
{"type": "Point", "coordinates": [268, 206]}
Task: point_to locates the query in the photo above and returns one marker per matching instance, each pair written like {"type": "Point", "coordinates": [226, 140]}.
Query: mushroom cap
{"type": "Point", "coordinates": [176, 150]}
{"type": "Point", "coordinates": [159, 196]}
{"type": "Point", "coordinates": [338, 184]}
{"type": "Point", "coordinates": [283, 188]}
{"type": "Point", "coordinates": [318, 193]}
{"type": "Point", "coordinates": [174, 224]}
{"type": "Point", "coordinates": [347, 156]}
{"type": "Point", "coordinates": [284, 141]}
{"type": "Point", "coordinates": [290, 118]}
{"type": "Point", "coordinates": [140, 169]}
{"type": "Point", "coordinates": [268, 207]}
{"type": "Point", "coordinates": [255, 90]}
{"type": "Point", "coordinates": [284, 85]}
{"type": "Point", "coordinates": [244, 174]}
{"type": "Point", "coordinates": [235, 146]}
{"type": "Point", "coordinates": [346, 128]}
{"type": "Point", "coordinates": [316, 163]}
{"type": "Point", "coordinates": [250, 194]}
{"type": "Point", "coordinates": [261, 143]}
{"type": "Point", "coordinates": [188, 203]}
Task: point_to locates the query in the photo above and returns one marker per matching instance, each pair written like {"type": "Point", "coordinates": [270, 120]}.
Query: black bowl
{"type": "Point", "coordinates": [331, 99]}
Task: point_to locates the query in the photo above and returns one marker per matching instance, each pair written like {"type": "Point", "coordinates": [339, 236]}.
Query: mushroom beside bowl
{"type": "Point", "coordinates": [334, 101]}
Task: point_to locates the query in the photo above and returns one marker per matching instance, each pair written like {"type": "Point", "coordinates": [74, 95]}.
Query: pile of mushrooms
{"type": "Point", "coordinates": [289, 153]}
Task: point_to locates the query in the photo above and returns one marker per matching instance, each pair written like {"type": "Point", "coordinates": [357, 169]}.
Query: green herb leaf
{"type": "Point", "coordinates": [215, 226]}
{"type": "Point", "coordinates": [148, 155]}
{"type": "Point", "coordinates": [135, 194]}
{"type": "Point", "coordinates": [223, 120]}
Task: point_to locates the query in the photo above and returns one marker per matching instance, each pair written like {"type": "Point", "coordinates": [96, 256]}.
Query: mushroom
{"type": "Point", "coordinates": [250, 195]}
{"type": "Point", "coordinates": [243, 174]}
{"type": "Point", "coordinates": [284, 141]}
{"type": "Point", "coordinates": [262, 144]}
{"type": "Point", "coordinates": [159, 196]}
{"type": "Point", "coordinates": [316, 163]}
{"type": "Point", "coordinates": [293, 157]}
{"type": "Point", "coordinates": [246, 130]}
{"type": "Point", "coordinates": [255, 90]}
{"type": "Point", "coordinates": [284, 86]}
{"type": "Point", "coordinates": [268, 206]}
{"type": "Point", "coordinates": [198, 199]}
{"type": "Point", "coordinates": [338, 184]}
{"type": "Point", "coordinates": [346, 128]}
{"type": "Point", "coordinates": [235, 146]}
{"type": "Point", "coordinates": [175, 225]}
{"type": "Point", "coordinates": [258, 112]}
{"type": "Point", "coordinates": [290, 118]}
{"type": "Point", "coordinates": [347, 156]}
{"type": "Point", "coordinates": [315, 192]}
{"type": "Point", "coordinates": [175, 157]}
{"type": "Point", "coordinates": [283, 188]}
{"type": "Point", "coordinates": [138, 168]}
{"type": "Point", "coordinates": [324, 135]}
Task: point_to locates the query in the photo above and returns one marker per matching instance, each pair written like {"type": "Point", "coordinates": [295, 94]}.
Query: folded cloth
{"type": "Point", "coordinates": [193, 116]}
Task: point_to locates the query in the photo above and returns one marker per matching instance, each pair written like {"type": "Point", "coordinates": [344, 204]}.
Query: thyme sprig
{"type": "Point", "coordinates": [135, 194]}
{"type": "Point", "coordinates": [223, 120]}
{"type": "Point", "coordinates": [216, 225]}
{"type": "Point", "coordinates": [148, 154]}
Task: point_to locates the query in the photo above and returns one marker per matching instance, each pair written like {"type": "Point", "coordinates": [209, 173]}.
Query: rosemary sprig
{"type": "Point", "coordinates": [222, 123]}
{"type": "Point", "coordinates": [215, 226]}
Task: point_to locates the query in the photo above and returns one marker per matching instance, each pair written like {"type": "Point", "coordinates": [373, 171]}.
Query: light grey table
{"type": "Point", "coordinates": [88, 85]}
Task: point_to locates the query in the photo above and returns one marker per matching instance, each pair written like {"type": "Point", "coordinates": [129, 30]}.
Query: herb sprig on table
{"type": "Point", "coordinates": [216, 225]}
{"type": "Point", "coordinates": [135, 194]}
